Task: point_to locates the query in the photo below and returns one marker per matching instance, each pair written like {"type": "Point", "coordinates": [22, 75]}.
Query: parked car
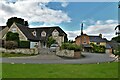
{"type": "Point", "coordinates": [54, 47]}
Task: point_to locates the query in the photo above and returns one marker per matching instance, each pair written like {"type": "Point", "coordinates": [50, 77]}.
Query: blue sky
{"type": "Point", "coordinates": [98, 17]}
{"type": "Point", "coordinates": [80, 11]}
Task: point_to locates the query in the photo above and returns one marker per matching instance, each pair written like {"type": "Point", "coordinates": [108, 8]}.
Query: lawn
{"type": "Point", "coordinates": [15, 55]}
{"type": "Point", "coordinates": [103, 70]}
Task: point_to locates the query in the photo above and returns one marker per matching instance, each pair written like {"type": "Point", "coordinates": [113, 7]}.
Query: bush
{"type": "Point", "coordinates": [24, 44]}
{"type": "Point", "coordinates": [98, 48]}
{"type": "Point", "coordinates": [117, 51]}
{"type": "Point", "coordinates": [71, 46]}
{"type": "Point", "coordinates": [11, 44]}
{"type": "Point", "coordinates": [65, 45]}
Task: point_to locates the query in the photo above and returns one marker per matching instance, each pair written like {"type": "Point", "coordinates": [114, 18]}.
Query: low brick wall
{"type": "Point", "coordinates": [68, 53]}
{"type": "Point", "coordinates": [23, 51]}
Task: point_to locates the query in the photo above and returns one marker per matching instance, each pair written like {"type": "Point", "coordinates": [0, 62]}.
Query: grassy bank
{"type": "Point", "coordinates": [103, 70]}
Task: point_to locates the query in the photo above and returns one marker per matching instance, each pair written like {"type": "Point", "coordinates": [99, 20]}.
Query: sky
{"type": "Point", "coordinates": [97, 17]}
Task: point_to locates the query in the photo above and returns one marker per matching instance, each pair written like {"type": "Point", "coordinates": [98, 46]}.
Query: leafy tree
{"type": "Point", "coordinates": [50, 41]}
{"type": "Point", "coordinates": [21, 21]}
{"type": "Point", "coordinates": [12, 40]}
{"type": "Point", "coordinates": [10, 36]}
{"type": "Point", "coordinates": [116, 39]}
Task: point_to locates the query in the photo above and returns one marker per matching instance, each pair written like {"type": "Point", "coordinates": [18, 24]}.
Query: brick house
{"type": "Point", "coordinates": [37, 36]}
{"type": "Point", "coordinates": [85, 41]}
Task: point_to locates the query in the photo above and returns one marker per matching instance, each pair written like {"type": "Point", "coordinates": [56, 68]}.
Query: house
{"type": "Point", "coordinates": [37, 36]}
{"type": "Point", "coordinates": [85, 40]}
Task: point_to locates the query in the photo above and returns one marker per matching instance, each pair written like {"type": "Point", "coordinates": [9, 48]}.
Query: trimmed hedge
{"type": "Point", "coordinates": [24, 44]}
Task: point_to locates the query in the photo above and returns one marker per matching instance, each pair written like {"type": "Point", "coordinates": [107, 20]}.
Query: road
{"type": "Point", "coordinates": [52, 59]}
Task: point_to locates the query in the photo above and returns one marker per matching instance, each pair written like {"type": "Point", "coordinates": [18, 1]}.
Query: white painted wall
{"type": "Point", "coordinates": [32, 44]}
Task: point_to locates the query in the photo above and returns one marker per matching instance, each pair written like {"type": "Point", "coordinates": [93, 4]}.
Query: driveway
{"type": "Point", "coordinates": [43, 59]}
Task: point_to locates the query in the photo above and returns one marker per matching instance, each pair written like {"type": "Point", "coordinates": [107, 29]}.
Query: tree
{"type": "Point", "coordinates": [116, 39]}
{"type": "Point", "coordinates": [50, 41]}
{"type": "Point", "coordinates": [10, 36]}
{"type": "Point", "coordinates": [12, 40]}
{"type": "Point", "coordinates": [21, 21]}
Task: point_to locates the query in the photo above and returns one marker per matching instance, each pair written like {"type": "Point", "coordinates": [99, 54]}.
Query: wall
{"type": "Point", "coordinates": [59, 39]}
{"type": "Point", "coordinates": [24, 51]}
{"type": "Point", "coordinates": [108, 51]}
{"type": "Point", "coordinates": [84, 39]}
{"type": "Point", "coordinates": [68, 53]}
{"type": "Point", "coordinates": [3, 32]}
{"type": "Point", "coordinates": [103, 43]}
{"type": "Point", "coordinates": [33, 44]}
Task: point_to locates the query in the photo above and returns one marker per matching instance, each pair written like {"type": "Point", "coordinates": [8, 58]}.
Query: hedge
{"type": "Point", "coordinates": [24, 44]}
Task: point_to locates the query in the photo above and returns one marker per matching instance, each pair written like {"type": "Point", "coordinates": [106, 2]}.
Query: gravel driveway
{"type": "Point", "coordinates": [41, 59]}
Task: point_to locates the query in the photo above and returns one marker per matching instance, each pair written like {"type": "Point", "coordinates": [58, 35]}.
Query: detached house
{"type": "Point", "coordinates": [85, 40]}
{"type": "Point", "coordinates": [37, 36]}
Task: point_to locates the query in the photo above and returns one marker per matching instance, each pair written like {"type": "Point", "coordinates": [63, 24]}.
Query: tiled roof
{"type": "Point", "coordinates": [87, 45]}
{"type": "Point", "coordinates": [28, 32]}
{"type": "Point", "coordinates": [108, 46]}
{"type": "Point", "coordinates": [96, 39]}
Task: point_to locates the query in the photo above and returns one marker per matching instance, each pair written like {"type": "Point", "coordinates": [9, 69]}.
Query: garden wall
{"type": "Point", "coordinates": [23, 51]}
{"type": "Point", "coordinates": [68, 54]}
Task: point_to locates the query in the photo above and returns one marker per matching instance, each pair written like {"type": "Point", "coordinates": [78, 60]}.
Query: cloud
{"type": "Point", "coordinates": [33, 12]}
{"type": "Point", "coordinates": [64, 4]}
{"type": "Point", "coordinates": [107, 28]}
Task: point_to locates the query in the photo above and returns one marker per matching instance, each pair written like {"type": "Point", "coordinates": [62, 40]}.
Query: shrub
{"type": "Point", "coordinates": [24, 44]}
{"type": "Point", "coordinates": [65, 45]}
{"type": "Point", "coordinates": [117, 51]}
{"type": "Point", "coordinates": [71, 46]}
{"type": "Point", "coordinates": [11, 44]}
{"type": "Point", "coordinates": [98, 48]}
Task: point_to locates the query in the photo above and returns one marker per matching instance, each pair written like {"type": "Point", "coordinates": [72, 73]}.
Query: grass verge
{"type": "Point", "coordinates": [103, 70]}
{"type": "Point", "coordinates": [14, 55]}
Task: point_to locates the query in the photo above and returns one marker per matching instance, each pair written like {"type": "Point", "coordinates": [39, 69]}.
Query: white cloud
{"type": "Point", "coordinates": [64, 4]}
{"type": "Point", "coordinates": [107, 28]}
{"type": "Point", "coordinates": [32, 11]}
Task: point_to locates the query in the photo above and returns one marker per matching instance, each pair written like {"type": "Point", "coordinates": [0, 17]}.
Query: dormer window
{"type": "Point", "coordinates": [34, 33]}
{"type": "Point", "coordinates": [43, 34]}
{"type": "Point", "coordinates": [55, 33]}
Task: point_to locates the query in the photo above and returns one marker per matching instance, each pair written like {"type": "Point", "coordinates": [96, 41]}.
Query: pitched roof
{"type": "Point", "coordinates": [48, 31]}
{"type": "Point", "coordinates": [96, 39]}
{"type": "Point", "coordinates": [108, 46]}
{"type": "Point", "coordinates": [26, 31]}
{"type": "Point", "coordinates": [87, 45]}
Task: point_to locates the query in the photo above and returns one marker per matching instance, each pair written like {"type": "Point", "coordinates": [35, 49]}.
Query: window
{"type": "Point", "coordinates": [43, 34]}
{"type": "Point", "coordinates": [14, 30]}
{"type": "Point", "coordinates": [34, 33]}
{"type": "Point", "coordinates": [55, 33]}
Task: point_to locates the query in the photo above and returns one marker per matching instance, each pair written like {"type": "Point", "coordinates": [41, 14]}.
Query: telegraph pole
{"type": "Point", "coordinates": [118, 26]}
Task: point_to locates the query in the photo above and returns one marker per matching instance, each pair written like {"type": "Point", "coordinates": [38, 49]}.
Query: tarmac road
{"type": "Point", "coordinates": [52, 59]}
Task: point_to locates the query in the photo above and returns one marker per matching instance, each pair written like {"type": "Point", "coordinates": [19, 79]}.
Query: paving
{"type": "Point", "coordinates": [53, 59]}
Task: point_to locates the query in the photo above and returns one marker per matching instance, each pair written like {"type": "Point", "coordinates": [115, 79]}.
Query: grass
{"type": "Point", "coordinates": [103, 70]}
{"type": "Point", "coordinates": [14, 55]}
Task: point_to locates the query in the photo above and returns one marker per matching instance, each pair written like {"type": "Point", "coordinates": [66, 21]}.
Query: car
{"type": "Point", "coordinates": [54, 47]}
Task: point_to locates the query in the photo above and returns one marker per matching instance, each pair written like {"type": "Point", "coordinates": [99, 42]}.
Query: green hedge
{"type": "Point", "coordinates": [24, 44]}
